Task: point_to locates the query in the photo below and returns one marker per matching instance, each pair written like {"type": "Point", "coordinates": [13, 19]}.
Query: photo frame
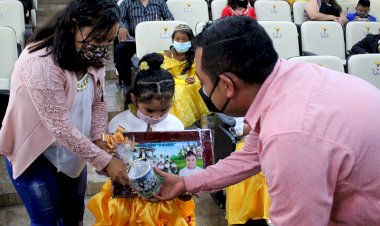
{"type": "Point", "coordinates": [178, 152]}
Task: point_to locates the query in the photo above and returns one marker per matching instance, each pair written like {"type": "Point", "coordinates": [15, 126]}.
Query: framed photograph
{"type": "Point", "coordinates": [181, 152]}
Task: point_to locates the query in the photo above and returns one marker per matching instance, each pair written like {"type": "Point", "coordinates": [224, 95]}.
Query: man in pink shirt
{"type": "Point", "coordinates": [315, 132]}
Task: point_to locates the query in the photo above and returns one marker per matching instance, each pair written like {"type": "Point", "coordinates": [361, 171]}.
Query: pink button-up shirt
{"type": "Point", "coordinates": [316, 137]}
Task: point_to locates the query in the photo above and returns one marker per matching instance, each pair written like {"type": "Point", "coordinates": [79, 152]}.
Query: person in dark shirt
{"type": "Point", "coordinates": [132, 13]}
{"type": "Point", "coordinates": [370, 44]}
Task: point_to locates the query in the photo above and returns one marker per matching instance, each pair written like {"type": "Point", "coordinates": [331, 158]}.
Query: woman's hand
{"type": "Point", "coordinates": [117, 171]}
{"type": "Point", "coordinates": [172, 187]}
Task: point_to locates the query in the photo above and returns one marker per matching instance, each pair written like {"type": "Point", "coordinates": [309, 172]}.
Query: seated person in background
{"type": "Point", "coordinates": [238, 8]}
{"type": "Point", "coordinates": [324, 10]}
{"type": "Point", "coordinates": [362, 10]}
{"type": "Point", "coordinates": [370, 44]}
{"type": "Point", "coordinates": [132, 13]}
{"type": "Point", "coordinates": [151, 98]}
{"type": "Point", "coordinates": [188, 105]}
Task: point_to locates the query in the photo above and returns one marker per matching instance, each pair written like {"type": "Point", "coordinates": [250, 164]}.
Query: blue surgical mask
{"type": "Point", "coordinates": [181, 47]}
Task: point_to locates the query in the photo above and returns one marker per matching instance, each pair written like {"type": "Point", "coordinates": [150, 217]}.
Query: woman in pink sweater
{"type": "Point", "coordinates": [57, 113]}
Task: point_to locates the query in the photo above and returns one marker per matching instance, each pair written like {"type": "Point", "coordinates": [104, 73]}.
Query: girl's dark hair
{"type": "Point", "coordinates": [190, 153]}
{"type": "Point", "coordinates": [232, 4]}
{"type": "Point", "coordinates": [236, 44]}
{"type": "Point", "coordinates": [190, 53]}
{"type": "Point", "coordinates": [58, 36]}
{"type": "Point", "coordinates": [152, 82]}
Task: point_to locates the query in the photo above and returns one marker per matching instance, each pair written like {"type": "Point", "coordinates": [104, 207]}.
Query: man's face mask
{"type": "Point", "coordinates": [207, 99]}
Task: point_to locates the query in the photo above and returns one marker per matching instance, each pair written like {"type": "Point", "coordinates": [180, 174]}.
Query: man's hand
{"type": "Point", "coordinates": [123, 34]}
{"type": "Point", "coordinates": [172, 187]}
{"type": "Point", "coordinates": [117, 171]}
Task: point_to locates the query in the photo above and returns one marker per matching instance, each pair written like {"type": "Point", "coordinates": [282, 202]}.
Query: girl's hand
{"type": "Point", "coordinates": [190, 80]}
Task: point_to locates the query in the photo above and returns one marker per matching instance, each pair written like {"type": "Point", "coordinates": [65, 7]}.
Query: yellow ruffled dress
{"type": "Point", "coordinates": [137, 212]}
{"type": "Point", "coordinates": [188, 105]}
{"type": "Point", "coordinates": [248, 199]}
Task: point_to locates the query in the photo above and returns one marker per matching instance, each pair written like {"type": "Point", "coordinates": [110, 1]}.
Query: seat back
{"type": "Point", "coordinates": [8, 55]}
{"type": "Point", "coordinates": [284, 36]}
{"type": "Point", "coordinates": [12, 15]}
{"type": "Point", "coordinates": [348, 7]}
{"type": "Point", "coordinates": [217, 7]}
{"type": "Point", "coordinates": [273, 10]}
{"type": "Point", "coordinates": [323, 38]}
{"type": "Point", "coordinates": [189, 11]}
{"type": "Point", "coordinates": [331, 62]}
{"type": "Point", "coordinates": [199, 27]}
{"type": "Point", "coordinates": [356, 31]}
{"type": "Point", "coordinates": [365, 66]}
{"type": "Point", "coordinates": [298, 12]}
{"type": "Point", "coordinates": [154, 36]}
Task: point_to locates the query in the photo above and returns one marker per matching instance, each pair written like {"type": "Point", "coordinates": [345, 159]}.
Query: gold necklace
{"type": "Point", "coordinates": [83, 85]}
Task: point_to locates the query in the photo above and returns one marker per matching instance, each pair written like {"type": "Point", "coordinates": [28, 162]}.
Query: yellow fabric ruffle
{"type": "Point", "coordinates": [188, 104]}
{"type": "Point", "coordinates": [137, 212]}
{"type": "Point", "coordinates": [248, 199]}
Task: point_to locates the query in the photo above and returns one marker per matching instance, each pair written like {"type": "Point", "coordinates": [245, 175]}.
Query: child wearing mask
{"type": "Point", "coordinates": [188, 105]}
{"type": "Point", "coordinates": [362, 12]}
{"type": "Point", "coordinates": [191, 165]}
{"type": "Point", "coordinates": [238, 8]}
{"type": "Point", "coordinates": [149, 104]}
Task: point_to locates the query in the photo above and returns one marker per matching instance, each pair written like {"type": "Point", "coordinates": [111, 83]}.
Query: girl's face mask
{"type": "Point", "coordinates": [181, 47]}
{"type": "Point", "coordinates": [151, 121]}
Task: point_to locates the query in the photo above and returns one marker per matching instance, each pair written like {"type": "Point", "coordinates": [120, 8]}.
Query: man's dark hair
{"type": "Point", "coordinates": [57, 34]}
{"type": "Point", "coordinates": [238, 45]}
{"type": "Point", "coordinates": [364, 3]}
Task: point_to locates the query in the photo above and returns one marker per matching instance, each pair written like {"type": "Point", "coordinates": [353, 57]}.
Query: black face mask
{"type": "Point", "coordinates": [207, 99]}
{"type": "Point", "coordinates": [243, 3]}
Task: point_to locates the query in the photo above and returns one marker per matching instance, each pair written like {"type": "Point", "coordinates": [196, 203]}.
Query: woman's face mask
{"type": "Point", "coordinates": [94, 55]}
{"type": "Point", "coordinates": [181, 47]}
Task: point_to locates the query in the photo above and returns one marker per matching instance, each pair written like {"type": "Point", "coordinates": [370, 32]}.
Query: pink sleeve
{"type": "Point", "coordinates": [99, 112]}
{"type": "Point", "coordinates": [235, 168]}
{"type": "Point", "coordinates": [301, 173]}
{"type": "Point", "coordinates": [45, 83]}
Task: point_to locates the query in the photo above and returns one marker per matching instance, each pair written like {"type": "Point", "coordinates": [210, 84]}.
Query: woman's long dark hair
{"type": "Point", "coordinates": [190, 53]}
{"type": "Point", "coordinates": [58, 36]}
{"type": "Point", "coordinates": [336, 5]}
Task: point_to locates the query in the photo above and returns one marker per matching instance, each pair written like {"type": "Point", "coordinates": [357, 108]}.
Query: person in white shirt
{"type": "Point", "coordinates": [191, 165]}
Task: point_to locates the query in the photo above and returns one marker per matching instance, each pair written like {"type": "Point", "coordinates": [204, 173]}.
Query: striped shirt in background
{"type": "Point", "coordinates": [133, 12]}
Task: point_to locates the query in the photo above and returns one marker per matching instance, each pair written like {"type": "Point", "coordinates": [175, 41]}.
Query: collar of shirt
{"type": "Point", "coordinates": [261, 101]}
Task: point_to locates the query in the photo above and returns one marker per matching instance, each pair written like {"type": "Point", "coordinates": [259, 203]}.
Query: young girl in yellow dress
{"type": "Point", "coordinates": [151, 98]}
{"type": "Point", "coordinates": [188, 105]}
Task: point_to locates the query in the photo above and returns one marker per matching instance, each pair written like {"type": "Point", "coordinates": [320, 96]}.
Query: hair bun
{"type": "Point", "coordinates": [151, 61]}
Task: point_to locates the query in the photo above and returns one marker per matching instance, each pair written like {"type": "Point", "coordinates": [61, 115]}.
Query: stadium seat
{"type": "Point", "coordinates": [284, 36]}
{"type": "Point", "coordinates": [356, 31]}
{"type": "Point", "coordinates": [12, 15]}
{"type": "Point", "coordinates": [365, 66]}
{"type": "Point", "coordinates": [189, 11]}
{"type": "Point", "coordinates": [331, 62]}
{"type": "Point", "coordinates": [273, 11]}
{"type": "Point", "coordinates": [323, 38]}
{"type": "Point", "coordinates": [217, 7]}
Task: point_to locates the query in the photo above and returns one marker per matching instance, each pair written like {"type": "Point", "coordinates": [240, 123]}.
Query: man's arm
{"type": "Point", "coordinates": [235, 168]}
